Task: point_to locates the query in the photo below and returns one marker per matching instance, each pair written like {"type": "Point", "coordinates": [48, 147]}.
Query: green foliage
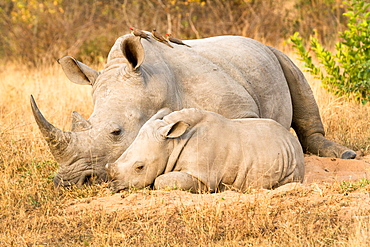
{"type": "Point", "coordinates": [346, 72]}
{"type": "Point", "coordinates": [347, 187]}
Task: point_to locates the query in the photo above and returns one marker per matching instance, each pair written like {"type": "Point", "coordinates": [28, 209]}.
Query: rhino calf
{"type": "Point", "coordinates": [199, 150]}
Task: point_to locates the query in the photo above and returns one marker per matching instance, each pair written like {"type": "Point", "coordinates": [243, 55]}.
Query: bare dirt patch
{"type": "Point", "coordinates": [320, 169]}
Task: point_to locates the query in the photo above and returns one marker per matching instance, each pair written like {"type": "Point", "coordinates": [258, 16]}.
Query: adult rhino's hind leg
{"type": "Point", "coordinates": [179, 180]}
{"type": "Point", "coordinates": [306, 117]}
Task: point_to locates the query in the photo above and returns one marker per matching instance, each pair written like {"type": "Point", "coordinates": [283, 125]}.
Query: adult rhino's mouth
{"type": "Point", "coordinates": [65, 148]}
{"type": "Point", "coordinates": [87, 177]}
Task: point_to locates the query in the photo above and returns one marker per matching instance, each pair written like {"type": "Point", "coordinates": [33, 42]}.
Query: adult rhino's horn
{"type": "Point", "coordinates": [57, 139]}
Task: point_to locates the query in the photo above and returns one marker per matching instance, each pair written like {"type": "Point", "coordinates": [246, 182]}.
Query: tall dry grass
{"type": "Point", "coordinates": [33, 213]}
{"type": "Point", "coordinates": [29, 36]}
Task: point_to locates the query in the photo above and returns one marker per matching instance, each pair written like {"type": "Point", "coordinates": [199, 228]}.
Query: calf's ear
{"type": "Point", "coordinates": [174, 130]}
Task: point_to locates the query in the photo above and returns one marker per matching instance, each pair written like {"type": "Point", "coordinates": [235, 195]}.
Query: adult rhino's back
{"type": "Point", "coordinates": [243, 75]}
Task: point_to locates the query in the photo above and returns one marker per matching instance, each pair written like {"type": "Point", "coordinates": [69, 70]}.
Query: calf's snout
{"type": "Point", "coordinates": [111, 169]}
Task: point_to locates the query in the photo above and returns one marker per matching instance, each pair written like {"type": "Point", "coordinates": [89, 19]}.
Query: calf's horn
{"type": "Point", "coordinates": [58, 140]}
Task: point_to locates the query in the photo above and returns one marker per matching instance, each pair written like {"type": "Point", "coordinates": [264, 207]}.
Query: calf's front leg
{"type": "Point", "coordinates": [179, 180]}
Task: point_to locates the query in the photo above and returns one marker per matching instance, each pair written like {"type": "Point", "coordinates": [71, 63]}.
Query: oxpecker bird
{"type": "Point", "coordinates": [141, 34]}
{"type": "Point", "coordinates": [160, 38]}
{"type": "Point", "coordinates": [175, 40]}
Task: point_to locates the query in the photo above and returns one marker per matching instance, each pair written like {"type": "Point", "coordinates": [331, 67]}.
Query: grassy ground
{"type": "Point", "coordinates": [33, 213]}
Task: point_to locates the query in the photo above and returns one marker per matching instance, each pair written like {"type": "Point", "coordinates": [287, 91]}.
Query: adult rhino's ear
{"type": "Point", "coordinates": [78, 72]}
{"type": "Point", "coordinates": [133, 50]}
{"type": "Point", "coordinates": [174, 130]}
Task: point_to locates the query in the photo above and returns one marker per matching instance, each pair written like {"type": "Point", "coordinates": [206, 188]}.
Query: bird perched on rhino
{"type": "Point", "coordinates": [139, 33]}
{"type": "Point", "coordinates": [159, 37]}
{"type": "Point", "coordinates": [175, 40]}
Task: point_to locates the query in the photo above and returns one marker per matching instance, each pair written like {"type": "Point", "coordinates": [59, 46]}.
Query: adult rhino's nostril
{"type": "Point", "coordinates": [86, 177]}
{"type": "Point", "coordinates": [59, 182]}
{"type": "Point", "coordinates": [90, 179]}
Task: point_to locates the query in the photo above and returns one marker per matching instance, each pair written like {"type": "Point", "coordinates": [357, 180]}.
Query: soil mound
{"type": "Point", "coordinates": [320, 173]}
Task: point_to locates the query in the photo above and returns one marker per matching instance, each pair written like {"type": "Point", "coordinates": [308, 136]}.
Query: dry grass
{"type": "Point", "coordinates": [29, 35]}
{"type": "Point", "coordinates": [33, 213]}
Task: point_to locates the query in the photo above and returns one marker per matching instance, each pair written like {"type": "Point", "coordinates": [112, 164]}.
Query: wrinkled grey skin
{"type": "Point", "coordinates": [236, 77]}
{"type": "Point", "coordinates": [202, 151]}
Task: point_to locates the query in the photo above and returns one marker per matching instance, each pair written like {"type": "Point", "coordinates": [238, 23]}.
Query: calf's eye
{"type": "Point", "coordinates": [139, 166]}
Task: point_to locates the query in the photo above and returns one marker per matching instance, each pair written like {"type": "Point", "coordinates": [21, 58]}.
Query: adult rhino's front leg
{"type": "Point", "coordinates": [306, 117]}
{"type": "Point", "coordinates": [179, 180]}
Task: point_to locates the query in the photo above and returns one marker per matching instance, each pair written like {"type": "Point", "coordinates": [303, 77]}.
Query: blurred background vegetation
{"type": "Point", "coordinates": [35, 32]}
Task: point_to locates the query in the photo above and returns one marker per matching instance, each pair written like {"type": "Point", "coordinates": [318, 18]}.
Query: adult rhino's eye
{"type": "Point", "coordinates": [116, 132]}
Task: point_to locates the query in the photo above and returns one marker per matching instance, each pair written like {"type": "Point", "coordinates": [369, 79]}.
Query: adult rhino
{"type": "Point", "coordinates": [202, 151]}
{"type": "Point", "coordinates": [236, 77]}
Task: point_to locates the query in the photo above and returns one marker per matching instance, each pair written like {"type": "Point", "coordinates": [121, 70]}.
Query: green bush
{"type": "Point", "coordinates": [347, 71]}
